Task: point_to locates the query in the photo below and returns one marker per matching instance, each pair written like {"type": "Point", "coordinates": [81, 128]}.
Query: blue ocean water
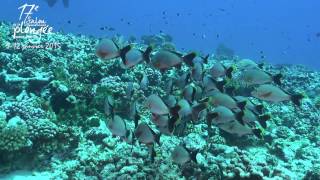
{"type": "Point", "coordinates": [285, 31]}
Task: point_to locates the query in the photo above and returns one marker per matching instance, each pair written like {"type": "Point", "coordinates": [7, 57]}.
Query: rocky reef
{"type": "Point", "coordinates": [52, 120]}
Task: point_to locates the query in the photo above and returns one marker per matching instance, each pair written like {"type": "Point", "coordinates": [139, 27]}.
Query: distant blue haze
{"type": "Point", "coordinates": [285, 30]}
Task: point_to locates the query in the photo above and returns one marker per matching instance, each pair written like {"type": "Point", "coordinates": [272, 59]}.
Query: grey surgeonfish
{"type": "Point", "coordinates": [165, 59]}
{"type": "Point", "coordinates": [160, 120]}
{"type": "Point", "coordinates": [201, 59]}
{"type": "Point", "coordinates": [131, 57]}
{"type": "Point", "coordinates": [181, 155]}
{"type": "Point", "coordinates": [144, 82]}
{"type": "Point", "coordinates": [51, 3]}
{"type": "Point", "coordinates": [221, 115]}
{"type": "Point", "coordinates": [257, 76]}
{"type": "Point", "coordinates": [210, 84]}
{"type": "Point", "coordinates": [192, 92]}
{"type": "Point", "coordinates": [236, 128]}
{"type": "Point", "coordinates": [273, 93]}
{"type": "Point", "coordinates": [117, 126]}
{"type": "Point", "coordinates": [249, 117]}
{"type": "Point", "coordinates": [219, 70]}
{"type": "Point", "coordinates": [109, 106]}
{"type": "Point", "coordinates": [156, 105]}
{"type": "Point", "coordinates": [256, 108]}
{"type": "Point", "coordinates": [107, 49]}
{"type": "Point", "coordinates": [185, 108]}
{"type": "Point", "coordinates": [197, 72]}
{"type": "Point", "coordinates": [146, 135]}
{"type": "Point", "coordinates": [247, 64]}
{"type": "Point", "coordinates": [170, 100]}
{"type": "Point", "coordinates": [227, 120]}
{"type": "Point", "coordinates": [218, 98]}
{"type": "Point", "coordinates": [183, 80]}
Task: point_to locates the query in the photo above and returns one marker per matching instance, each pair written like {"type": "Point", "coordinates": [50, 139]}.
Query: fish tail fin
{"type": "Point", "coordinates": [296, 99]}
{"type": "Point", "coordinates": [239, 117]}
{"type": "Point", "coordinates": [230, 90]}
{"type": "Point", "coordinates": [123, 52]}
{"type": "Point", "coordinates": [66, 3]}
{"type": "Point", "coordinates": [193, 156]}
{"type": "Point", "coordinates": [198, 108]}
{"type": "Point", "coordinates": [277, 79]}
{"type": "Point", "coordinates": [242, 104]}
{"type": "Point", "coordinates": [157, 138]}
{"type": "Point", "coordinates": [261, 65]}
{"type": "Point", "coordinates": [229, 72]}
{"type": "Point", "coordinates": [146, 54]}
{"type": "Point", "coordinates": [210, 117]}
{"type": "Point", "coordinates": [259, 108]}
{"type": "Point", "coordinates": [153, 153]}
{"type": "Point", "coordinates": [137, 117]}
{"type": "Point", "coordinates": [171, 123]}
{"type": "Point", "coordinates": [263, 120]}
{"type": "Point", "coordinates": [257, 133]}
{"type": "Point", "coordinates": [206, 58]}
{"type": "Point", "coordinates": [174, 117]}
{"type": "Point", "coordinates": [220, 85]}
{"type": "Point", "coordinates": [188, 59]}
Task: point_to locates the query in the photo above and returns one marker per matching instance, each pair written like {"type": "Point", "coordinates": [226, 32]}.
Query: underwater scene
{"type": "Point", "coordinates": [177, 90]}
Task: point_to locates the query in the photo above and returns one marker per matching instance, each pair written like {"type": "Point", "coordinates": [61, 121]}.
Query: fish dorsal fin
{"type": "Point", "coordinates": [176, 53]}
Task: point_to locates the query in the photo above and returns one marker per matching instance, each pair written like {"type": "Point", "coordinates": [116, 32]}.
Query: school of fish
{"type": "Point", "coordinates": [194, 95]}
